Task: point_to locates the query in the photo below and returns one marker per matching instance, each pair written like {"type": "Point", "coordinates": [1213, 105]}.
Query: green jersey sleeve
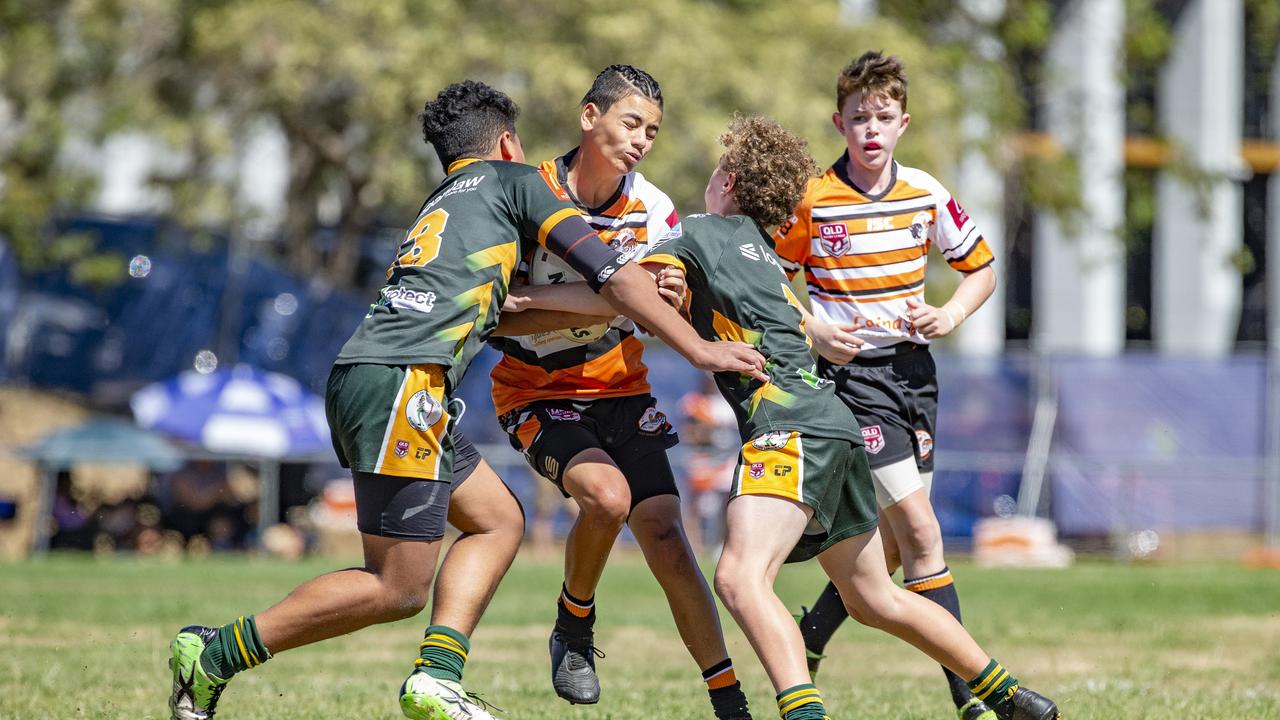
{"type": "Point", "coordinates": [546, 213]}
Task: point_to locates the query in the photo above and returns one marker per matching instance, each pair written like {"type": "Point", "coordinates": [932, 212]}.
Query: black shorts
{"type": "Point", "coordinates": [633, 432]}
{"type": "Point", "coordinates": [408, 508]}
{"type": "Point", "coordinates": [895, 399]}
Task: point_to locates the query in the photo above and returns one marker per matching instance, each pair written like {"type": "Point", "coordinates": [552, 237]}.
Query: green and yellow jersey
{"type": "Point", "coordinates": [738, 291]}
{"type": "Point", "coordinates": [451, 273]}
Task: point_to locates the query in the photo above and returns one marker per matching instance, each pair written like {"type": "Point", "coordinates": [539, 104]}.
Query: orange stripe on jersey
{"type": "Point", "coordinates": [980, 255]}
{"type": "Point", "coordinates": [550, 223]}
{"type": "Point", "coordinates": [867, 259]}
{"type": "Point", "coordinates": [617, 373]}
{"type": "Point", "coordinates": [871, 283]}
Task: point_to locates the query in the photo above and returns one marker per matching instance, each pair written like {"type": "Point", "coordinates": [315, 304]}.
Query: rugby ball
{"type": "Point", "coordinates": [548, 269]}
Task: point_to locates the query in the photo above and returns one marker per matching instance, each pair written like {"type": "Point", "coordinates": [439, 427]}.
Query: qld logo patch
{"type": "Point", "coordinates": [834, 238]}
{"type": "Point", "coordinates": [423, 411]}
{"type": "Point", "coordinates": [874, 438]}
{"type": "Point", "coordinates": [563, 415]}
{"type": "Point", "coordinates": [924, 443]}
{"type": "Point", "coordinates": [653, 421]}
{"type": "Point", "coordinates": [757, 470]}
{"type": "Point", "coordinates": [402, 448]}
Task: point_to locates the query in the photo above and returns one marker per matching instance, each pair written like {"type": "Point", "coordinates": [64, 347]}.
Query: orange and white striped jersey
{"type": "Point", "coordinates": [584, 363]}
{"type": "Point", "coordinates": [864, 256]}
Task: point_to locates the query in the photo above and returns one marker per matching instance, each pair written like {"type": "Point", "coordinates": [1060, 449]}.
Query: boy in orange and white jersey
{"type": "Point", "coordinates": [576, 402]}
{"type": "Point", "coordinates": [862, 235]}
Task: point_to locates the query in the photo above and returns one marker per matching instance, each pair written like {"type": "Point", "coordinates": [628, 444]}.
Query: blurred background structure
{"type": "Point", "coordinates": [196, 186]}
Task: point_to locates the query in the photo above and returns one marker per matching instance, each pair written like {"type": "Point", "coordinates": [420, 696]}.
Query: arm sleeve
{"type": "Point", "coordinates": [551, 218]}
{"type": "Point", "coordinates": [792, 240]}
{"type": "Point", "coordinates": [957, 236]}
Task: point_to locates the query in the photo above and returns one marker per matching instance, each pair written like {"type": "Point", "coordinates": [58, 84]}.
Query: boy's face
{"type": "Point", "coordinates": [871, 126]}
{"type": "Point", "coordinates": [719, 193]}
{"type": "Point", "coordinates": [623, 135]}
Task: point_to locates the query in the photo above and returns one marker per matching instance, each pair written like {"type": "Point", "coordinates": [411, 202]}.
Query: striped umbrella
{"type": "Point", "coordinates": [242, 411]}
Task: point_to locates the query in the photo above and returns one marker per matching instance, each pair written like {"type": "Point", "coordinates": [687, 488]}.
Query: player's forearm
{"type": "Point", "coordinates": [574, 297]}
{"type": "Point", "coordinates": [511, 324]}
{"type": "Point", "coordinates": [634, 293]}
{"type": "Point", "coordinates": [971, 293]}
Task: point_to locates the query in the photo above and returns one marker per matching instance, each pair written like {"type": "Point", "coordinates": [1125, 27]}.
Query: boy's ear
{"type": "Point", "coordinates": [838, 120]}
{"type": "Point", "coordinates": [589, 116]}
{"type": "Point", "coordinates": [509, 148]}
{"type": "Point", "coordinates": [906, 120]}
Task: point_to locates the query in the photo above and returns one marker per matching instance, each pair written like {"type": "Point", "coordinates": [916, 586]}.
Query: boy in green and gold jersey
{"type": "Point", "coordinates": [803, 485]}
{"type": "Point", "coordinates": [390, 413]}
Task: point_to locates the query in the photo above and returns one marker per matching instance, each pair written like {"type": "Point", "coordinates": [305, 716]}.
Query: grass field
{"type": "Point", "coordinates": [81, 638]}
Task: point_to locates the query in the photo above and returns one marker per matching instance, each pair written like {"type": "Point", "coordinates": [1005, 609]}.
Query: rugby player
{"type": "Point", "coordinates": [391, 416]}
{"type": "Point", "coordinates": [861, 235]}
{"type": "Point", "coordinates": [576, 402]}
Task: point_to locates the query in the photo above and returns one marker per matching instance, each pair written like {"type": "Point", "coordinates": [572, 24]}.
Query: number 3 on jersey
{"type": "Point", "coordinates": [422, 244]}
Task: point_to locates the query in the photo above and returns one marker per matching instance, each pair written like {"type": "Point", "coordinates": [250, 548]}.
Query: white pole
{"type": "Point", "coordinates": [1080, 264]}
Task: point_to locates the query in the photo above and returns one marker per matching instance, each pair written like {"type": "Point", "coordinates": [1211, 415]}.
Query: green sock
{"type": "Point", "coordinates": [802, 702]}
{"type": "Point", "coordinates": [237, 647]}
{"type": "Point", "coordinates": [444, 653]}
{"type": "Point", "coordinates": [994, 685]}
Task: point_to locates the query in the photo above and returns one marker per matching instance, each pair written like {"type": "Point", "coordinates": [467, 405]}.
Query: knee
{"type": "Point", "coordinates": [732, 580]}
{"type": "Point", "coordinates": [658, 528]}
{"type": "Point", "coordinates": [877, 610]}
{"type": "Point", "coordinates": [606, 503]}
{"type": "Point", "coordinates": [401, 603]}
{"type": "Point", "coordinates": [923, 541]}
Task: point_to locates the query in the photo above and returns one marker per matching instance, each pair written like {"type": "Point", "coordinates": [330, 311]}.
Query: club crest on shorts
{"type": "Point", "coordinates": [423, 411]}
{"type": "Point", "coordinates": [834, 238]}
{"type": "Point", "coordinates": [771, 440]}
{"type": "Point", "coordinates": [402, 448]}
{"type": "Point", "coordinates": [874, 438]}
{"type": "Point", "coordinates": [757, 470]}
{"type": "Point", "coordinates": [563, 414]}
{"type": "Point", "coordinates": [653, 421]}
{"type": "Point", "coordinates": [924, 442]}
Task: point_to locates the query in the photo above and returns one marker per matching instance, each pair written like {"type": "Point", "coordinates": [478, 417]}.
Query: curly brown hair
{"type": "Point", "coordinates": [873, 74]}
{"type": "Point", "coordinates": [771, 168]}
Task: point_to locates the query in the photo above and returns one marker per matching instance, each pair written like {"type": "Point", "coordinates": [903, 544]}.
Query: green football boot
{"type": "Point", "coordinates": [423, 697]}
{"type": "Point", "coordinates": [195, 692]}
{"type": "Point", "coordinates": [975, 709]}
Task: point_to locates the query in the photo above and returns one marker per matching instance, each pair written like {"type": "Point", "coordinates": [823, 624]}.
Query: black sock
{"type": "Point", "coordinates": [821, 622]}
{"type": "Point", "coordinates": [940, 587]}
{"type": "Point", "coordinates": [574, 616]}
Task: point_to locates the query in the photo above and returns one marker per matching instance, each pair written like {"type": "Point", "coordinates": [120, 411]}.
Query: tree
{"type": "Point", "coordinates": [342, 80]}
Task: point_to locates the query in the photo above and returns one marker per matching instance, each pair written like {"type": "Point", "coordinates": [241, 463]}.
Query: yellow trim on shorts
{"type": "Point", "coordinates": [418, 378]}
{"type": "Point", "coordinates": [782, 469]}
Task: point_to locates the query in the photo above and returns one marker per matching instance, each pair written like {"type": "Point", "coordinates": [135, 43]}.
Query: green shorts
{"type": "Point", "coordinates": [391, 420]}
{"type": "Point", "coordinates": [829, 475]}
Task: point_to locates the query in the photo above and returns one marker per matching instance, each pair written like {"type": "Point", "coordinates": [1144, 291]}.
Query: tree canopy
{"type": "Point", "coordinates": [342, 81]}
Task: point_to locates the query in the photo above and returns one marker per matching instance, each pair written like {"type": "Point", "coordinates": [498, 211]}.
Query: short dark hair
{"type": "Point", "coordinates": [466, 119]}
{"type": "Point", "coordinates": [873, 74]}
{"type": "Point", "coordinates": [620, 81]}
{"type": "Point", "coordinates": [771, 168]}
